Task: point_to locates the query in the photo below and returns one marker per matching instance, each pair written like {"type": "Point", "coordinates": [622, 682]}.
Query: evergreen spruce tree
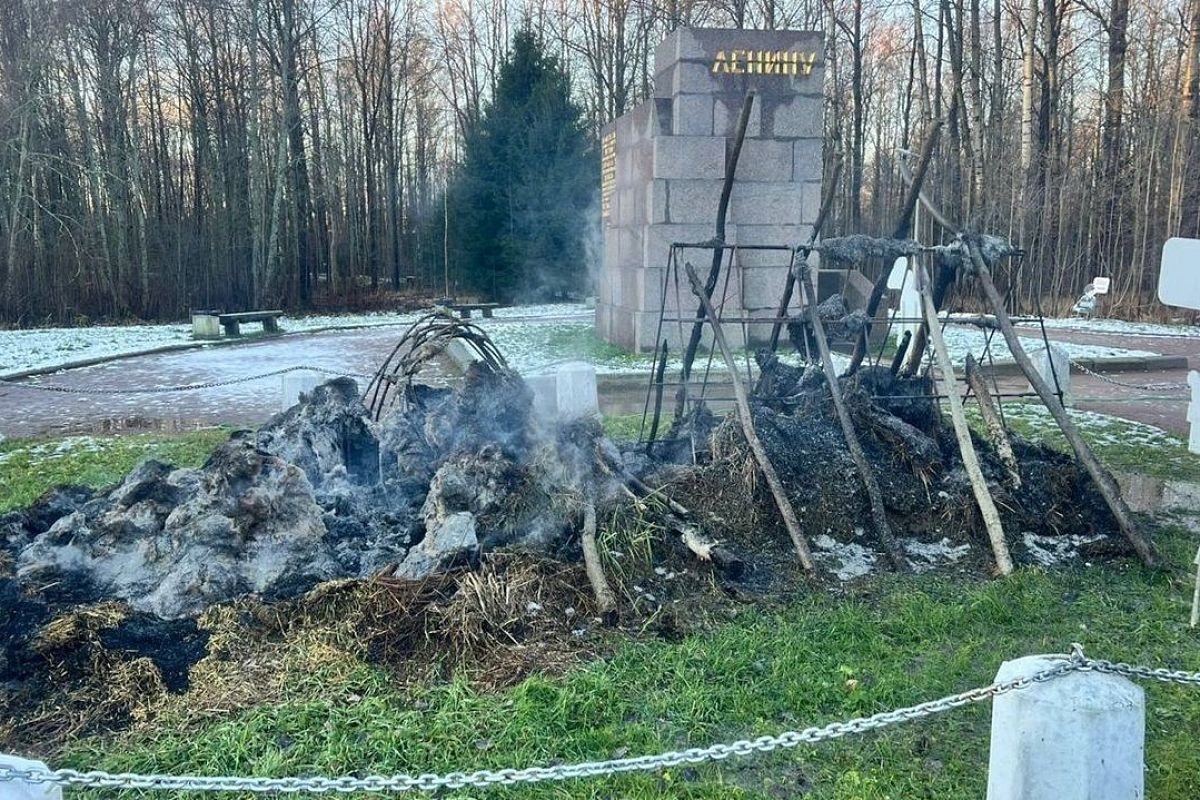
{"type": "Point", "coordinates": [522, 203]}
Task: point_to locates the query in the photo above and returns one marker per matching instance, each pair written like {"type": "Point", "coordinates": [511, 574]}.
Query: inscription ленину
{"type": "Point", "coordinates": [763, 62]}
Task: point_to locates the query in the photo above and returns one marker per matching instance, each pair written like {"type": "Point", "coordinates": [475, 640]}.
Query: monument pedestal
{"type": "Point", "coordinates": [664, 164]}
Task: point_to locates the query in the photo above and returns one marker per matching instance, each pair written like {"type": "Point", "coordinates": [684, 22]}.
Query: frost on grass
{"type": "Point", "coordinates": [1120, 327]}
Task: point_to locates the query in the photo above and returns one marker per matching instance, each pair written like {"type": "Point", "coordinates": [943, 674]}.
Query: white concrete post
{"type": "Point", "coordinates": [1079, 736]}
{"type": "Point", "coordinates": [294, 384]}
{"type": "Point", "coordinates": [16, 790]}
{"type": "Point", "coordinates": [1193, 412]}
{"type": "Point", "coordinates": [1061, 371]}
{"type": "Point", "coordinates": [206, 326]}
{"type": "Point", "coordinates": [576, 390]}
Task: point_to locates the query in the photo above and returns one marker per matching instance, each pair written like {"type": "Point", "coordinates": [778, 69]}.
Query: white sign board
{"type": "Point", "coordinates": [1100, 285]}
{"type": "Point", "coordinates": [1179, 278]}
{"type": "Point", "coordinates": [896, 276]}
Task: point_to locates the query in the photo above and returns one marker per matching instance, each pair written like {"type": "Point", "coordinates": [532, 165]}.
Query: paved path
{"type": "Point", "coordinates": [24, 412]}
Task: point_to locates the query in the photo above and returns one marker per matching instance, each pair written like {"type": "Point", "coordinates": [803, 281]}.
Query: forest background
{"type": "Point", "coordinates": [158, 156]}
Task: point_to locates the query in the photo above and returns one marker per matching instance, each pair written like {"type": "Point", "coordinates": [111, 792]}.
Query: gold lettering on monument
{"type": "Point", "coordinates": [763, 62]}
{"type": "Point", "coordinates": [608, 171]}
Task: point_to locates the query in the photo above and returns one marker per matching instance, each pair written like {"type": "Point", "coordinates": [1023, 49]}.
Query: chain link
{"type": "Point", "coordinates": [1180, 387]}
{"type": "Point", "coordinates": [189, 387]}
{"type": "Point", "coordinates": [428, 782]}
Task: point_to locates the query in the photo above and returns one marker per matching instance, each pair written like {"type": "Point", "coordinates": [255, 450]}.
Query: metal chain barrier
{"type": "Point", "coordinates": [428, 782]}
{"type": "Point", "coordinates": [189, 387]}
{"type": "Point", "coordinates": [1180, 387]}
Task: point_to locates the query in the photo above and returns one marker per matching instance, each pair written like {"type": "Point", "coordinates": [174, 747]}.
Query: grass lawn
{"type": "Point", "coordinates": [816, 657]}
{"type": "Point", "coordinates": [28, 467]}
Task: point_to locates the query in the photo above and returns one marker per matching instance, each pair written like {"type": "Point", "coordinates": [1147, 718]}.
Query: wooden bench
{"type": "Point", "coordinates": [464, 309]}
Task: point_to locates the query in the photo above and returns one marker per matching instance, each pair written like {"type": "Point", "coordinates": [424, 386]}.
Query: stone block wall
{"type": "Point", "coordinates": [667, 160]}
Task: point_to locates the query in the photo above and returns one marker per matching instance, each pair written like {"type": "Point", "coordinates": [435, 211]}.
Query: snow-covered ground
{"type": "Point", "coordinates": [1119, 327]}
{"type": "Point", "coordinates": [961, 339]}
{"type": "Point", "coordinates": [533, 338]}
{"type": "Point", "coordinates": [40, 348]}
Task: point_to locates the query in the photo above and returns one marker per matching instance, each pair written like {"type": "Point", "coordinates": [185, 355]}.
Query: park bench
{"type": "Point", "coordinates": [464, 309]}
{"type": "Point", "coordinates": [204, 323]}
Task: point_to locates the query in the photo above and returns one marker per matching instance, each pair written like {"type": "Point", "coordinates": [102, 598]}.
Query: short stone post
{"type": "Point", "coordinates": [1079, 736]}
{"type": "Point", "coordinates": [17, 790]}
{"type": "Point", "coordinates": [206, 325]}
{"type": "Point", "coordinates": [295, 384]}
{"type": "Point", "coordinates": [1054, 365]}
{"type": "Point", "coordinates": [576, 391]}
{"type": "Point", "coordinates": [1193, 412]}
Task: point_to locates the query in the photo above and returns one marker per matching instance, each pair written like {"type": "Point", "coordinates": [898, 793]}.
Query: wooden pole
{"type": "Point", "coordinates": [747, 418]}
{"type": "Point", "coordinates": [606, 603]}
{"type": "Point", "coordinates": [714, 270]}
{"type": "Point", "coordinates": [992, 421]}
{"type": "Point", "coordinates": [991, 517]}
{"type": "Point", "coordinates": [789, 284]}
{"type": "Point", "coordinates": [659, 373]}
{"type": "Point", "coordinates": [883, 530]}
{"type": "Point", "coordinates": [901, 231]}
{"type": "Point", "coordinates": [1100, 475]}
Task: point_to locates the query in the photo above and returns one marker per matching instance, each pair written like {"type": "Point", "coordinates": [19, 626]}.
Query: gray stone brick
{"type": "Point", "coordinates": [693, 201]}
{"type": "Point", "coordinates": [812, 201]}
{"type": "Point", "coordinates": [656, 200]}
{"type": "Point", "coordinates": [630, 246]}
{"type": "Point", "coordinates": [762, 288]}
{"type": "Point", "coordinates": [766, 204]}
{"type": "Point", "coordinates": [693, 115]}
{"type": "Point", "coordinates": [727, 109]}
{"type": "Point", "coordinates": [795, 118]}
{"type": "Point", "coordinates": [689, 157]}
{"type": "Point", "coordinates": [764, 160]}
{"type": "Point", "coordinates": [807, 160]}
{"type": "Point", "coordinates": [660, 237]}
{"type": "Point", "coordinates": [685, 77]}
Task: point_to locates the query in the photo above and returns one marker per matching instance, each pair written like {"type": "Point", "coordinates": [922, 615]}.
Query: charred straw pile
{"type": "Point", "coordinates": [456, 521]}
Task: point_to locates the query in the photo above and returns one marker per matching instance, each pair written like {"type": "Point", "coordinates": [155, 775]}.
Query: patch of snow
{"type": "Point", "coordinates": [41, 348]}
{"type": "Point", "coordinates": [1119, 327]}
{"type": "Point", "coordinates": [961, 340]}
{"type": "Point", "coordinates": [1101, 428]}
{"type": "Point", "coordinates": [928, 555]}
{"type": "Point", "coordinates": [1051, 550]}
{"type": "Point", "coordinates": [846, 561]}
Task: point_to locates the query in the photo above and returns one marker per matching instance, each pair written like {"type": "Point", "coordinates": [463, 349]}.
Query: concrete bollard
{"type": "Point", "coordinates": [1055, 365]}
{"type": "Point", "coordinates": [206, 326]}
{"type": "Point", "coordinates": [1080, 736]}
{"type": "Point", "coordinates": [294, 384]}
{"type": "Point", "coordinates": [1193, 412]}
{"type": "Point", "coordinates": [545, 395]}
{"type": "Point", "coordinates": [577, 395]}
{"type": "Point", "coordinates": [17, 790]}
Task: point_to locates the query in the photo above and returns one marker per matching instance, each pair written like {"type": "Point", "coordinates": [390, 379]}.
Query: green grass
{"type": "Point", "coordinates": [28, 467]}
{"type": "Point", "coordinates": [1123, 445]}
{"type": "Point", "coordinates": [818, 658]}
{"type": "Point", "coordinates": [821, 659]}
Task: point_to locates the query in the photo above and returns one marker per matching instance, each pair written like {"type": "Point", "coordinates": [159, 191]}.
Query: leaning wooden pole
{"type": "Point", "coordinates": [714, 270]}
{"type": "Point", "coordinates": [901, 231]}
{"type": "Point", "coordinates": [992, 421]}
{"type": "Point", "coordinates": [808, 293]}
{"type": "Point", "coordinates": [606, 602]}
{"type": "Point", "coordinates": [782, 502]}
{"type": "Point", "coordinates": [789, 285]}
{"type": "Point", "coordinates": [1100, 475]}
{"type": "Point", "coordinates": [962, 432]}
